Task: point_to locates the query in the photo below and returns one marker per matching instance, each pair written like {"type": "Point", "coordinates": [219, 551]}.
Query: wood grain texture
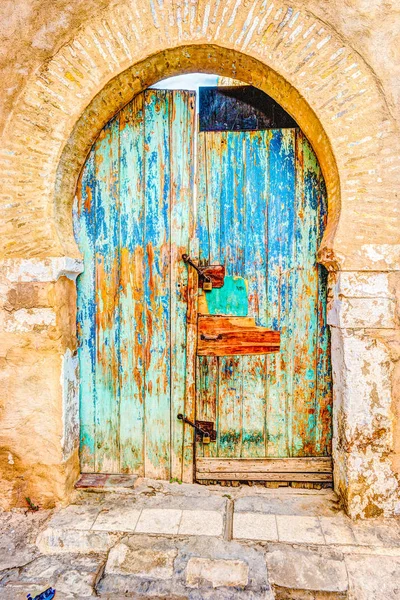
{"type": "Point", "coordinates": [266, 476]}
{"type": "Point", "coordinates": [261, 213]}
{"type": "Point", "coordinates": [133, 221]}
{"type": "Point", "coordinates": [261, 465]}
{"type": "Point", "coordinates": [221, 336]}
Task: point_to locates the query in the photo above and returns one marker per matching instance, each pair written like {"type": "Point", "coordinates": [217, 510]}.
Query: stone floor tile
{"type": "Point", "coordinates": [337, 530]}
{"type": "Point", "coordinates": [373, 577]}
{"type": "Point", "coordinates": [75, 516]}
{"type": "Point", "coordinates": [304, 573]}
{"type": "Point", "coordinates": [377, 532]}
{"type": "Point", "coordinates": [219, 573]}
{"type": "Point", "coordinates": [157, 520]}
{"type": "Point", "coordinates": [290, 504]}
{"type": "Point", "coordinates": [201, 522]}
{"type": "Point", "coordinates": [57, 541]}
{"type": "Point", "coordinates": [299, 530]}
{"type": "Point", "coordinates": [117, 519]}
{"type": "Point", "coordinates": [255, 526]}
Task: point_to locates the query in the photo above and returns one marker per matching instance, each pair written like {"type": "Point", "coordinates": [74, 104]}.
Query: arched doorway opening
{"type": "Point", "coordinates": [254, 202]}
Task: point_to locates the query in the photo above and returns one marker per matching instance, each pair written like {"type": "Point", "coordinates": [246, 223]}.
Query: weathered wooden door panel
{"type": "Point", "coordinates": [261, 213]}
{"type": "Point", "coordinates": [133, 222]}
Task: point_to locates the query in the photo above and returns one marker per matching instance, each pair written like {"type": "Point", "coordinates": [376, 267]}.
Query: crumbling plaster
{"type": "Point", "coordinates": [334, 65]}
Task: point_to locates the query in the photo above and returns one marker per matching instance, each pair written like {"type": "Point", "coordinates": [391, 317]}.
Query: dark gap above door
{"type": "Point", "coordinates": [240, 108]}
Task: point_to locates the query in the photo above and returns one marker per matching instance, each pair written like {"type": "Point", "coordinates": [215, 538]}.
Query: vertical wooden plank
{"type": "Point", "coordinates": [230, 395]}
{"type": "Point", "coordinates": [323, 429]}
{"type": "Point", "coordinates": [132, 302]}
{"type": "Point", "coordinates": [84, 228]}
{"type": "Point", "coordinates": [280, 256]}
{"type": "Point", "coordinates": [254, 406]}
{"type": "Point", "coordinates": [157, 285]}
{"type": "Point", "coordinates": [107, 282]}
{"type": "Point", "coordinates": [306, 290]}
{"type": "Point", "coordinates": [232, 243]}
{"type": "Point", "coordinates": [190, 392]}
{"type": "Point", "coordinates": [255, 165]}
{"type": "Point", "coordinates": [182, 115]}
{"type": "Point", "coordinates": [206, 400]}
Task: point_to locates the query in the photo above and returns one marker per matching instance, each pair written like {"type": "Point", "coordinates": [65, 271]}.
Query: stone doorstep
{"type": "Point", "coordinates": [102, 482]}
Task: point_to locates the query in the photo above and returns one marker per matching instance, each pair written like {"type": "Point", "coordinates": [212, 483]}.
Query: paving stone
{"type": "Point", "coordinates": [377, 532]}
{"type": "Point", "coordinates": [54, 541]}
{"type": "Point", "coordinates": [255, 526]}
{"type": "Point", "coordinates": [299, 530]}
{"type": "Point", "coordinates": [201, 522]}
{"type": "Point", "coordinates": [218, 573]}
{"type": "Point", "coordinates": [179, 502]}
{"type": "Point", "coordinates": [153, 563]}
{"type": "Point", "coordinates": [19, 530]}
{"type": "Point", "coordinates": [302, 574]}
{"type": "Point", "coordinates": [72, 575]}
{"type": "Point", "coordinates": [141, 565]}
{"type": "Point", "coordinates": [159, 521]}
{"type": "Point", "coordinates": [217, 549]}
{"type": "Point", "coordinates": [75, 516]}
{"type": "Point", "coordinates": [117, 519]}
{"type": "Point", "coordinates": [337, 530]}
{"type": "Point", "coordinates": [373, 577]}
{"type": "Point", "coordinates": [290, 503]}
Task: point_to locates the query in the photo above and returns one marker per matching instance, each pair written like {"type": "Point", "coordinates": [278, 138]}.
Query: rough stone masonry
{"type": "Point", "coordinates": [66, 69]}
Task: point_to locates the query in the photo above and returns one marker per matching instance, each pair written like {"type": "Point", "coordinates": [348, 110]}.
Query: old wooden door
{"type": "Point", "coordinates": [261, 213]}
{"type": "Point", "coordinates": [132, 223]}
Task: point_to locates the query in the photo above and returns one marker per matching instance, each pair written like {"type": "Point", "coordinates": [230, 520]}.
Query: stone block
{"type": "Point", "coordinates": [201, 522]}
{"type": "Point", "coordinates": [360, 284]}
{"type": "Point", "coordinates": [373, 577]}
{"type": "Point", "coordinates": [284, 502]}
{"type": "Point", "coordinates": [71, 575]}
{"type": "Point", "coordinates": [299, 530]}
{"type": "Point", "coordinates": [366, 480]}
{"type": "Point", "coordinates": [361, 313]}
{"type": "Point", "coordinates": [304, 574]}
{"type": "Point", "coordinates": [117, 519]}
{"type": "Point", "coordinates": [75, 516]}
{"type": "Point", "coordinates": [255, 526]}
{"type": "Point", "coordinates": [54, 541]}
{"type": "Point", "coordinates": [216, 573]}
{"type": "Point", "coordinates": [377, 533]}
{"type": "Point", "coordinates": [362, 372]}
{"type": "Point", "coordinates": [158, 520]}
{"type": "Point", "coordinates": [152, 563]}
{"type": "Point", "coordinates": [337, 530]}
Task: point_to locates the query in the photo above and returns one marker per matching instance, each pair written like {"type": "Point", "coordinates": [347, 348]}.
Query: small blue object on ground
{"type": "Point", "coordinates": [46, 595]}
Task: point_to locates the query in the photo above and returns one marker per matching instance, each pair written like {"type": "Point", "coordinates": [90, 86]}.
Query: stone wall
{"type": "Point", "coordinates": [67, 67]}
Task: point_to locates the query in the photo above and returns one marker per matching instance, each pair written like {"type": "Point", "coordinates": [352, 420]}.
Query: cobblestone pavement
{"type": "Point", "coordinates": [161, 540]}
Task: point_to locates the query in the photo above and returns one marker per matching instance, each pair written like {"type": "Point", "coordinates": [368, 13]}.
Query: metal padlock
{"type": "Point", "coordinates": [207, 286]}
{"type": "Point", "coordinates": [206, 439]}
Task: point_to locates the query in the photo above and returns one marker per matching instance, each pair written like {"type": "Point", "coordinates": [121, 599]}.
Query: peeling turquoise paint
{"type": "Point", "coordinates": [132, 216]}
{"type": "Point", "coordinates": [262, 212]}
